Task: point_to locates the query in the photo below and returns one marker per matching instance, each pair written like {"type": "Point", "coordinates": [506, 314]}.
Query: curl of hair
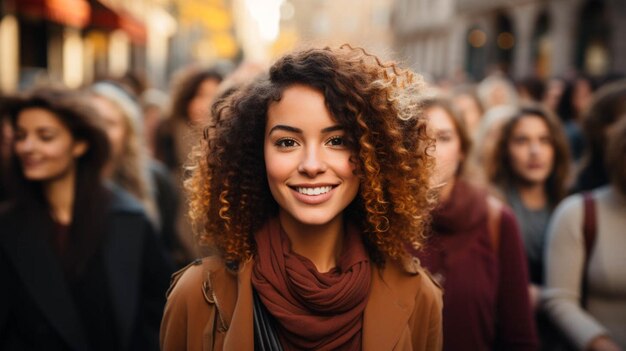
{"type": "Point", "coordinates": [500, 169]}
{"type": "Point", "coordinates": [377, 104]}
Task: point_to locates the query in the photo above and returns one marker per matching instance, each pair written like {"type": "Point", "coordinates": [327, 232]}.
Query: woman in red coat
{"type": "Point", "coordinates": [475, 251]}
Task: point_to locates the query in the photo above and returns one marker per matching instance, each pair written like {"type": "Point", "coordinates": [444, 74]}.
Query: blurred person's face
{"type": "Point", "coordinates": [470, 112]}
{"type": "Point", "coordinates": [308, 164]}
{"type": "Point", "coordinates": [448, 154]}
{"type": "Point", "coordinates": [530, 150]}
{"type": "Point", "coordinates": [115, 124]}
{"type": "Point", "coordinates": [200, 106]}
{"type": "Point", "coordinates": [45, 147]}
{"type": "Point", "coordinates": [499, 96]}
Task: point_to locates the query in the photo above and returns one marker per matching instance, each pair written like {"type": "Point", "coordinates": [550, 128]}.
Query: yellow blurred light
{"type": "Point", "coordinates": [286, 41]}
{"type": "Point", "coordinates": [212, 17]}
{"type": "Point", "coordinates": [477, 38]}
{"type": "Point", "coordinates": [98, 40]}
{"type": "Point", "coordinates": [225, 45]}
{"type": "Point", "coordinates": [506, 41]}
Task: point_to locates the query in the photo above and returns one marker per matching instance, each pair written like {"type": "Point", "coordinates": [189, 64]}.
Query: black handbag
{"type": "Point", "coordinates": [265, 336]}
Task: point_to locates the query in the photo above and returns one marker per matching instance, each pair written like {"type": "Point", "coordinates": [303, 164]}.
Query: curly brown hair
{"type": "Point", "coordinates": [500, 171]}
{"type": "Point", "coordinates": [378, 106]}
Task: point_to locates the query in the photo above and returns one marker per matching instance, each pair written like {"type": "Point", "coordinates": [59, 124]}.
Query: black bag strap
{"type": "Point", "coordinates": [265, 337]}
{"type": "Point", "coordinates": [589, 232]}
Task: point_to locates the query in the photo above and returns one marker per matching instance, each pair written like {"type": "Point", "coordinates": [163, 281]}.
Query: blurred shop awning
{"type": "Point", "coordinates": [69, 12]}
{"type": "Point", "coordinates": [106, 18]}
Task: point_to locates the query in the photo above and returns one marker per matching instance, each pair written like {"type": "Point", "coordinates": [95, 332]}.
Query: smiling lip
{"type": "Point", "coordinates": [28, 163]}
{"type": "Point", "coordinates": [535, 166]}
{"type": "Point", "coordinates": [313, 199]}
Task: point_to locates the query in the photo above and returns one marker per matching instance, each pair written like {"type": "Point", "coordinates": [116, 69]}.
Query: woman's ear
{"type": "Point", "coordinates": [79, 148]}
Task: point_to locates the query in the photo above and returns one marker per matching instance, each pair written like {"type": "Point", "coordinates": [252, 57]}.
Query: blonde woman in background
{"type": "Point", "coordinates": [132, 168]}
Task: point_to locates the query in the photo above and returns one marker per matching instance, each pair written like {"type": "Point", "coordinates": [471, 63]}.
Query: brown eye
{"type": "Point", "coordinates": [285, 143]}
{"type": "Point", "coordinates": [336, 141]}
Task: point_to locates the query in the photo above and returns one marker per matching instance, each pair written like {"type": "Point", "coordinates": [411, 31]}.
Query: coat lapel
{"type": "Point", "coordinates": [389, 307]}
{"type": "Point", "coordinates": [44, 280]}
{"type": "Point", "coordinates": [240, 334]}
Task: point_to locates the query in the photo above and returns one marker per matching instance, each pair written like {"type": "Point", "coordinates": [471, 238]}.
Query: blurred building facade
{"type": "Point", "coordinates": [74, 42]}
{"type": "Point", "coordinates": [363, 23]}
{"type": "Point", "coordinates": [448, 38]}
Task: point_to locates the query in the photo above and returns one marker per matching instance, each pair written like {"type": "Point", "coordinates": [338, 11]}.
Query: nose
{"type": "Point", "coordinates": [312, 162]}
{"type": "Point", "coordinates": [534, 147]}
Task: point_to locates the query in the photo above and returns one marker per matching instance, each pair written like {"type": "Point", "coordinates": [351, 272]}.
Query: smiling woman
{"type": "Point", "coordinates": [311, 183]}
{"type": "Point", "coordinates": [81, 266]}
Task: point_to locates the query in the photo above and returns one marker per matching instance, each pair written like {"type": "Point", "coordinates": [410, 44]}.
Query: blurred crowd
{"type": "Point", "coordinates": [526, 241]}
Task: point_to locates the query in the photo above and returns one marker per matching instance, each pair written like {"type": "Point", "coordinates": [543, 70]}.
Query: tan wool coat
{"type": "Point", "coordinates": [209, 307]}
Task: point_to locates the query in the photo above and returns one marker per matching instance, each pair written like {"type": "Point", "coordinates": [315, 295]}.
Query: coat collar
{"type": "Point", "coordinates": [389, 307]}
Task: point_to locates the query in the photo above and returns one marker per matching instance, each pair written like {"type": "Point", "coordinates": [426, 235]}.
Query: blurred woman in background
{"type": "Point", "coordinates": [192, 94]}
{"type": "Point", "coordinates": [81, 266]}
{"type": "Point", "coordinates": [529, 168]}
{"type": "Point", "coordinates": [128, 164]}
{"type": "Point", "coordinates": [607, 106]}
{"type": "Point", "coordinates": [585, 292]}
{"type": "Point", "coordinates": [475, 251]}
{"type": "Point", "coordinates": [133, 169]}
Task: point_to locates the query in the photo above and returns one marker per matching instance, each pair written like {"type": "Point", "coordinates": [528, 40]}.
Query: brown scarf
{"type": "Point", "coordinates": [314, 311]}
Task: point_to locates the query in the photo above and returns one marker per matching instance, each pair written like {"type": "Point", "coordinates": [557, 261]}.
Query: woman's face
{"type": "Point", "coordinates": [448, 152]}
{"type": "Point", "coordinates": [200, 106]}
{"type": "Point", "coordinates": [530, 150]}
{"type": "Point", "coordinates": [307, 160]}
{"type": "Point", "coordinates": [115, 124]}
{"type": "Point", "coordinates": [45, 147]}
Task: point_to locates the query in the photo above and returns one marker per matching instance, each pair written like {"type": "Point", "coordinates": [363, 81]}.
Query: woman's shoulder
{"type": "Point", "coordinates": [569, 208]}
{"type": "Point", "coordinates": [194, 281]}
{"type": "Point", "coordinates": [409, 276]}
{"type": "Point", "coordinates": [122, 201]}
{"type": "Point", "coordinates": [190, 303]}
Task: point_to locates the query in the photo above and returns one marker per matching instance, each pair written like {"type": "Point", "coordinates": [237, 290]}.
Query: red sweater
{"type": "Point", "coordinates": [486, 302]}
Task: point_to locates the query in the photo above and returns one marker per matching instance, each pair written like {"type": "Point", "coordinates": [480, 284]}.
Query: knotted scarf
{"type": "Point", "coordinates": [313, 310]}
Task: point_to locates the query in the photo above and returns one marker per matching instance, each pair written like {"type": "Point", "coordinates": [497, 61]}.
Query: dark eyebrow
{"type": "Point", "coordinates": [332, 129]}
{"type": "Point", "coordinates": [285, 128]}
{"type": "Point", "coordinates": [299, 131]}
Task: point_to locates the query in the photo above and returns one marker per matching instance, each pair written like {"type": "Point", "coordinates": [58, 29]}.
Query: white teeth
{"type": "Point", "coordinates": [314, 191]}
